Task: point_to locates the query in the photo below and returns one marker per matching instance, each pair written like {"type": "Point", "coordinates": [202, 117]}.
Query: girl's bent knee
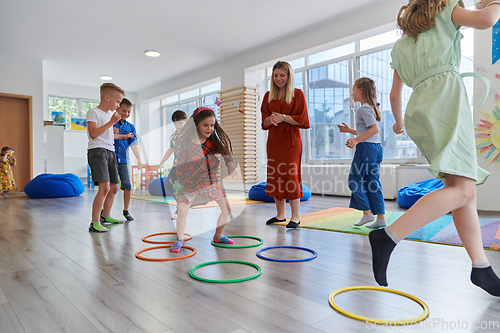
{"type": "Point", "coordinates": [466, 195]}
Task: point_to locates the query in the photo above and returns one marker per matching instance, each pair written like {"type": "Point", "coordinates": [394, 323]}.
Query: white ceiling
{"type": "Point", "coordinates": [81, 40]}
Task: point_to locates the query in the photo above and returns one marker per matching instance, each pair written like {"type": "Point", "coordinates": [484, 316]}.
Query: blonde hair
{"type": "Point", "coordinates": [419, 16]}
{"type": "Point", "coordinates": [108, 87]}
{"type": "Point", "coordinates": [290, 85]}
{"type": "Point", "coordinates": [369, 92]}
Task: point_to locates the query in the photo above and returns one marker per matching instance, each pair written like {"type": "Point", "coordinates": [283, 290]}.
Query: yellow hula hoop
{"type": "Point", "coordinates": [380, 321]}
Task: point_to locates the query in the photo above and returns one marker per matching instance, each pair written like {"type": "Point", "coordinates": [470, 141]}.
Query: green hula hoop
{"type": "Point", "coordinates": [191, 272]}
{"type": "Point", "coordinates": [240, 246]}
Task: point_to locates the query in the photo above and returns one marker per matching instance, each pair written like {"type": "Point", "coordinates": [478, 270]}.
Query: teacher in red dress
{"type": "Point", "coordinates": [284, 113]}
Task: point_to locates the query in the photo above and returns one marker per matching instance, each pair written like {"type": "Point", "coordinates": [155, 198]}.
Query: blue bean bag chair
{"type": "Point", "coordinates": [408, 195]}
{"type": "Point", "coordinates": [159, 187]}
{"type": "Point", "coordinates": [258, 193]}
{"type": "Point", "coordinates": [49, 185]}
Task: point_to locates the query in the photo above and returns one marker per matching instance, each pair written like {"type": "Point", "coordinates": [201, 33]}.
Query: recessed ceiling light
{"type": "Point", "coordinates": [106, 77]}
{"type": "Point", "coordinates": [152, 53]}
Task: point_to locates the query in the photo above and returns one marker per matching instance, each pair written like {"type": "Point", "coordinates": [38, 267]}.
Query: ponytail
{"type": "Point", "coordinates": [369, 90]}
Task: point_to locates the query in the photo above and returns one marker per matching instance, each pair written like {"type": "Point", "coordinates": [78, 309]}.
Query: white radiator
{"type": "Point", "coordinates": [332, 179]}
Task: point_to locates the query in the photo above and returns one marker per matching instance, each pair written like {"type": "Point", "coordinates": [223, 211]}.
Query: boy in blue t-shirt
{"type": "Point", "coordinates": [125, 136]}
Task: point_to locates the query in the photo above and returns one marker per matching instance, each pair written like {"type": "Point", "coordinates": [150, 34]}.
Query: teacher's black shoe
{"type": "Point", "coordinates": [292, 224]}
{"type": "Point", "coordinates": [274, 220]}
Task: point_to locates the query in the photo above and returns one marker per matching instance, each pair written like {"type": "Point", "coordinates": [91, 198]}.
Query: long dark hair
{"type": "Point", "coordinates": [5, 149]}
{"type": "Point", "coordinates": [219, 138]}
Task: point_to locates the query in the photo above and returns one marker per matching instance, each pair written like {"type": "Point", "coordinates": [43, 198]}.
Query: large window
{"type": "Point", "coordinates": [328, 106]}
{"type": "Point", "coordinates": [377, 66]}
{"type": "Point", "coordinates": [327, 78]}
{"type": "Point", "coordinates": [187, 101]}
{"type": "Point", "coordinates": [66, 108]}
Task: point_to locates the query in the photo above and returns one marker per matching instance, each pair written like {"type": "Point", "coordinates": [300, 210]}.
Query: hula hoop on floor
{"type": "Point", "coordinates": [146, 240]}
{"type": "Point", "coordinates": [240, 246]}
{"type": "Point", "coordinates": [315, 254]}
{"type": "Point", "coordinates": [259, 271]}
{"type": "Point", "coordinates": [138, 256]}
{"type": "Point", "coordinates": [380, 321]}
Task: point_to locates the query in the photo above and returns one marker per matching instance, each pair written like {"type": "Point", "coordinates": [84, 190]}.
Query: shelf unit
{"type": "Point", "coordinates": [238, 118]}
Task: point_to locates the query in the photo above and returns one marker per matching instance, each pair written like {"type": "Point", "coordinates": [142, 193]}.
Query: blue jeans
{"type": "Point", "coordinates": [364, 181]}
{"type": "Point", "coordinates": [123, 171]}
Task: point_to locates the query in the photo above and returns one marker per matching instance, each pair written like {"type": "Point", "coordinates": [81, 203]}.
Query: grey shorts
{"type": "Point", "coordinates": [103, 165]}
{"type": "Point", "coordinates": [123, 172]}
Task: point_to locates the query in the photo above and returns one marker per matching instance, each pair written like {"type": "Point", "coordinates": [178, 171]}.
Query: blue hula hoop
{"type": "Point", "coordinates": [315, 254]}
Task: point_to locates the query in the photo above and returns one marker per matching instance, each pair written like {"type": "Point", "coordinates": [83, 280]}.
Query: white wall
{"type": "Point", "coordinates": [487, 194]}
{"type": "Point", "coordinates": [150, 132]}
{"type": "Point", "coordinates": [24, 76]}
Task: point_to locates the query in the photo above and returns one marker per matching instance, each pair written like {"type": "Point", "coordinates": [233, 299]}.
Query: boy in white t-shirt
{"type": "Point", "coordinates": [101, 154]}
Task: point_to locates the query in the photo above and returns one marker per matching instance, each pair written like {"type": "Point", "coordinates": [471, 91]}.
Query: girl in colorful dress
{"type": "Point", "coordinates": [439, 120]}
{"type": "Point", "coordinates": [364, 177]}
{"type": "Point", "coordinates": [284, 113]}
{"type": "Point", "coordinates": [7, 161]}
{"type": "Point", "coordinates": [196, 167]}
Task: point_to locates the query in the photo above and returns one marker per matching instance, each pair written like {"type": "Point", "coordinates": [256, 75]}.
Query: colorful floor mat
{"type": "Point", "coordinates": [441, 231]}
{"type": "Point", "coordinates": [233, 200]}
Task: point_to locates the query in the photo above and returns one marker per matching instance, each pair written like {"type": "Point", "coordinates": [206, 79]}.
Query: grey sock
{"type": "Point", "coordinates": [378, 224]}
{"type": "Point", "coordinates": [391, 235]}
{"type": "Point", "coordinates": [365, 219]}
{"type": "Point", "coordinates": [483, 265]}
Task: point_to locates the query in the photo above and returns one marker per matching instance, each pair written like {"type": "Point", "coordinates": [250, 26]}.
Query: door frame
{"type": "Point", "coordinates": [30, 123]}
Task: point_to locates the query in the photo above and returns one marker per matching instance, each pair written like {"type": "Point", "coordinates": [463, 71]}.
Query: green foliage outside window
{"type": "Point", "coordinates": [65, 105]}
{"type": "Point", "coordinates": [86, 106]}
{"type": "Point", "coordinates": [69, 107]}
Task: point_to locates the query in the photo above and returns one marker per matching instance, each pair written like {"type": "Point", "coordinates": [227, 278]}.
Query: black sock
{"type": "Point", "coordinates": [382, 246]}
{"type": "Point", "coordinates": [486, 279]}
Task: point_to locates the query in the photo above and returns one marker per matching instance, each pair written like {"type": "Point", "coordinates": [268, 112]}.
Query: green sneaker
{"type": "Point", "coordinates": [97, 227]}
{"type": "Point", "coordinates": [110, 219]}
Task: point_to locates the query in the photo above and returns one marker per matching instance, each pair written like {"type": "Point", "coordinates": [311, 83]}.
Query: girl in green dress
{"type": "Point", "coordinates": [439, 120]}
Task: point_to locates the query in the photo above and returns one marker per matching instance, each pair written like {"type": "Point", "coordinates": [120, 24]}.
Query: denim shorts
{"type": "Point", "coordinates": [123, 171]}
{"type": "Point", "coordinates": [103, 165]}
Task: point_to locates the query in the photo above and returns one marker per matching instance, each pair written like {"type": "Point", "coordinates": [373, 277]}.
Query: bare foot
{"type": "Point", "coordinates": [4, 195]}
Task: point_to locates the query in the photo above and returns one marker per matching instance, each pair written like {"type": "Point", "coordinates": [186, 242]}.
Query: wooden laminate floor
{"type": "Point", "coordinates": [55, 276]}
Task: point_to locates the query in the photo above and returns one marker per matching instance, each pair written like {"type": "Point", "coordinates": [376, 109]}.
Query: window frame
{"type": "Point", "coordinates": [353, 61]}
{"type": "Point", "coordinates": [166, 121]}
{"type": "Point", "coordinates": [79, 107]}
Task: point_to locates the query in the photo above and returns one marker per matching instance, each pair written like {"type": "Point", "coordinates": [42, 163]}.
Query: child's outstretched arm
{"type": "Point", "coordinates": [136, 153]}
{"type": "Point", "coordinates": [397, 104]}
{"type": "Point", "coordinates": [344, 128]}
{"type": "Point", "coordinates": [483, 18]}
{"type": "Point", "coordinates": [169, 152]}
